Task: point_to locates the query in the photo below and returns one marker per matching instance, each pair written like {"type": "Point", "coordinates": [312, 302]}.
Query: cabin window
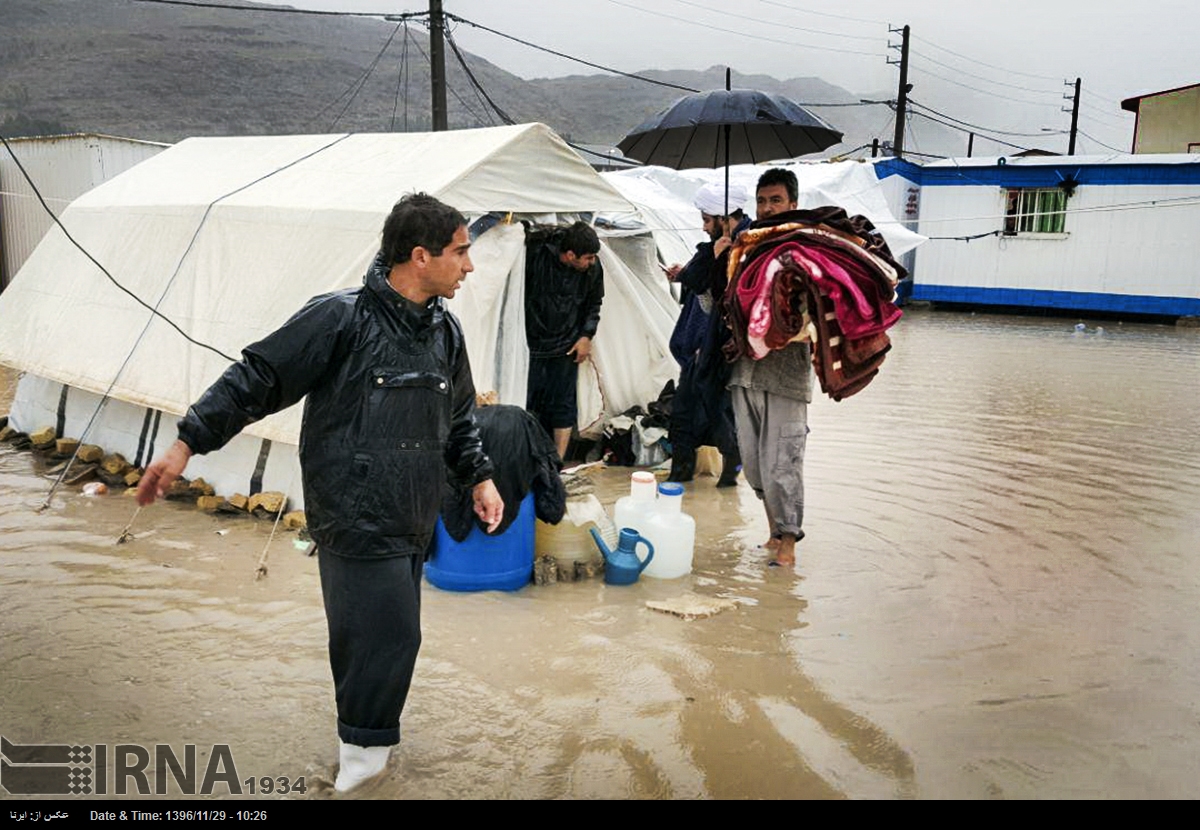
{"type": "Point", "coordinates": [1034, 210]}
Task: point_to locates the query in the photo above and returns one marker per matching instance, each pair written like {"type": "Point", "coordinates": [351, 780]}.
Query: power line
{"type": "Point", "coordinates": [965, 130]}
{"type": "Point", "coordinates": [987, 129]}
{"type": "Point", "coordinates": [281, 9]}
{"type": "Point", "coordinates": [504, 115]}
{"type": "Point", "coordinates": [453, 91]}
{"type": "Point", "coordinates": [458, 19]}
{"type": "Point", "coordinates": [988, 80]}
{"type": "Point", "coordinates": [362, 81]}
{"type": "Point", "coordinates": [402, 80]}
{"type": "Point", "coordinates": [790, 7]}
{"type": "Point", "coordinates": [986, 92]}
{"type": "Point", "coordinates": [793, 44]}
{"type": "Point", "coordinates": [1146, 204]}
{"type": "Point", "coordinates": [775, 23]}
{"type": "Point", "coordinates": [988, 65]}
{"type": "Point", "coordinates": [475, 82]}
{"type": "Point", "coordinates": [1101, 143]}
{"type": "Point", "coordinates": [154, 312]}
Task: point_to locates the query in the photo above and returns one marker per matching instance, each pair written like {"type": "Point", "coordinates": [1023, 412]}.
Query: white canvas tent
{"type": "Point", "coordinates": [227, 237]}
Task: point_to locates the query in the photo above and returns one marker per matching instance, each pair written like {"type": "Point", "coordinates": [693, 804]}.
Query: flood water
{"type": "Point", "coordinates": [996, 598]}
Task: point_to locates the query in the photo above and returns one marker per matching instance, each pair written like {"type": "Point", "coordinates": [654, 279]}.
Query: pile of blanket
{"type": "Point", "coordinates": [816, 276]}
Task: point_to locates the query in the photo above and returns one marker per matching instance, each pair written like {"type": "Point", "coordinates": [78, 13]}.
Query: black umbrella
{"type": "Point", "coordinates": [730, 126]}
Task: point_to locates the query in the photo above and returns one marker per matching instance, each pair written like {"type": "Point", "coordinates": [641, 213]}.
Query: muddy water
{"type": "Point", "coordinates": [996, 598]}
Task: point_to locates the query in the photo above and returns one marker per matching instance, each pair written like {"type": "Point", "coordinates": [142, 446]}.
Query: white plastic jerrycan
{"type": "Point", "coordinates": [634, 511]}
{"type": "Point", "coordinates": [673, 534]}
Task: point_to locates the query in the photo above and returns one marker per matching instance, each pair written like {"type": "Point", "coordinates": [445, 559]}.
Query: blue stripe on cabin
{"type": "Point", "coordinates": [1042, 175]}
{"type": "Point", "coordinates": [1073, 300]}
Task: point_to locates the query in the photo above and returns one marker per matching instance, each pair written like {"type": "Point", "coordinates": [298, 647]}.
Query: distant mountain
{"type": "Point", "coordinates": [164, 72]}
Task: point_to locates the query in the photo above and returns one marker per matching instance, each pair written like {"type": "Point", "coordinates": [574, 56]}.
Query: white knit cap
{"type": "Point", "coordinates": [710, 199]}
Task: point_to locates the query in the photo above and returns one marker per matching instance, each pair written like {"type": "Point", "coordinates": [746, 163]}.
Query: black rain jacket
{"type": "Point", "coordinates": [390, 407]}
{"type": "Point", "coordinates": [561, 304]}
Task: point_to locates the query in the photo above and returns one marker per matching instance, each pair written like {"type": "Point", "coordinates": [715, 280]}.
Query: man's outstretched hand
{"type": "Point", "coordinates": [162, 473]}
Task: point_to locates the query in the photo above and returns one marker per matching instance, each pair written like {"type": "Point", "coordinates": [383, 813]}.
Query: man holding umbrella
{"type": "Point", "coordinates": [740, 126]}
{"type": "Point", "coordinates": [701, 412]}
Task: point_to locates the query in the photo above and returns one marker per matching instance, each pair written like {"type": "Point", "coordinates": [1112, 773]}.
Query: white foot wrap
{"type": "Point", "coordinates": [358, 763]}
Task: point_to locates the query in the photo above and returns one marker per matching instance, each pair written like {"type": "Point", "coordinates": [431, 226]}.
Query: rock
{"type": "Point", "coordinates": [271, 502]}
{"type": "Point", "coordinates": [545, 570]}
{"type": "Point", "coordinates": [210, 503]}
{"type": "Point", "coordinates": [588, 570]}
{"type": "Point", "coordinates": [691, 606]}
{"type": "Point", "coordinates": [113, 479]}
{"type": "Point", "coordinates": [115, 465]}
{"type": "Point", "coordinates": [90, 454]}
{"type": "Point", "coordinates": [95, 488]}
{"type": "Point", "coordinates": [7, 433]}
{"type": "Point", "coordinates": [295, 520]}
{"type": "Point", "coordinates": [66, 446]}
{"type": "Point", "coordinates": [239, 502]}
{"type": "Point", "coordinates": [132, 478]}
{"type": "Point", "coordinates": [200, 487]}
{"type": "Point", "coordinates": [44, 438]}
{"type": "Point", "coordinates": [179, 490]}
{"type": "Point", "coordinates": [80, 472]}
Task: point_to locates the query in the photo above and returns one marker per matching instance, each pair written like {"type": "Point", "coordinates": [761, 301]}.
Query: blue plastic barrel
{"type": "Point", "coordinates": [481, 562]}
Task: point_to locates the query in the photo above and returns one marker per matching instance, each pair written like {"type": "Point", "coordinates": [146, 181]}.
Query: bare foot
{"type": "Point", "coordinates": [785, 552]}
{"type": "Point", "coordinates": [773, 543]}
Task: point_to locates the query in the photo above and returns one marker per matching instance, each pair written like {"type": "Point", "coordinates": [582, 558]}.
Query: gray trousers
{"type": "Point", "coordinates": [772, 431]}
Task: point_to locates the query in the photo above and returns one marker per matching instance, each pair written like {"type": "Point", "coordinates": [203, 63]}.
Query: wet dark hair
{"type": "Point", "coordinates": [419, 220]}
{"type": "Point", "coordinates": [777, 175]}
{"type": "Point", "coordinates": [580, 239]}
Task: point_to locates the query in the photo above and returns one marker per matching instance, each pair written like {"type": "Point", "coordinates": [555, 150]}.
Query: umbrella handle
{"type": "Point", "coordinates": [728, 79]}
{"type": "Point", "coordinates": [727, 169]}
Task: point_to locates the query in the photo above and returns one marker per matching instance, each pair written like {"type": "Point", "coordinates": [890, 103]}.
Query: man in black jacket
{"type": "Point", "coordinates": [564, 288]}
{"type": "Point", "coordinates": [389, 408]}
{"type": "Point", "coordinates": [701, 412]}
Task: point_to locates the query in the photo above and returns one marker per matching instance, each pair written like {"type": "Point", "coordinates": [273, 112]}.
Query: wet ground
{"type": "Point", "coordinates": [996, 599]}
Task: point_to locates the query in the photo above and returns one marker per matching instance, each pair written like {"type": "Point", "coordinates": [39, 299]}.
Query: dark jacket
{"type": "Point", "coordinates": [691, 327]}
{"type": "Point", "coordinates": [390, 406]}
{"type": "Point", "coordinates": [561, 304]}
{"type": "Point", "coordinates": [525, 459]}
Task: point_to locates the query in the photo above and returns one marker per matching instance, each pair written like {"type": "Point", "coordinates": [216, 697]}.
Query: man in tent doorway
{"type": "Point", "coordinates": [388, 412]}
{"type": "Point", "coordinates": [564, 288]}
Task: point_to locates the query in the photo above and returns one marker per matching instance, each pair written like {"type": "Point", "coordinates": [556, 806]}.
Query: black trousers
{"type": "Point", "coordinates": [550, 396]}
{"type": "Point", "coordinates": [373, 607]}
{"type": "Point", "coordinates": [702, 413]}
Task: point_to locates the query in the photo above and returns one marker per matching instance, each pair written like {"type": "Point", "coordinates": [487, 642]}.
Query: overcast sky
{"type": "Point", "coordinates": [1001, 69]}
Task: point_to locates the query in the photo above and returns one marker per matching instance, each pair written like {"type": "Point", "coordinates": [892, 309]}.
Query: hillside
{"type": "Point", "coordinates": [163, 73]}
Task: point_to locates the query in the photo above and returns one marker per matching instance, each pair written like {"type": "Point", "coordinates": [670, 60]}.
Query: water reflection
{"type": "Point", "coordinates": [995, 598]}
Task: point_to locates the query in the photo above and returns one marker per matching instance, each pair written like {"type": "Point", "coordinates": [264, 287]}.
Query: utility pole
{"type": "Point", "coordinates": [1074, 115]}
{"type": "Point", "coordinates": [437, 66]}
{"type": "Point", "coordinates": [970, 144]}
{"type": "Point", "coordinates": [902, 94]}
